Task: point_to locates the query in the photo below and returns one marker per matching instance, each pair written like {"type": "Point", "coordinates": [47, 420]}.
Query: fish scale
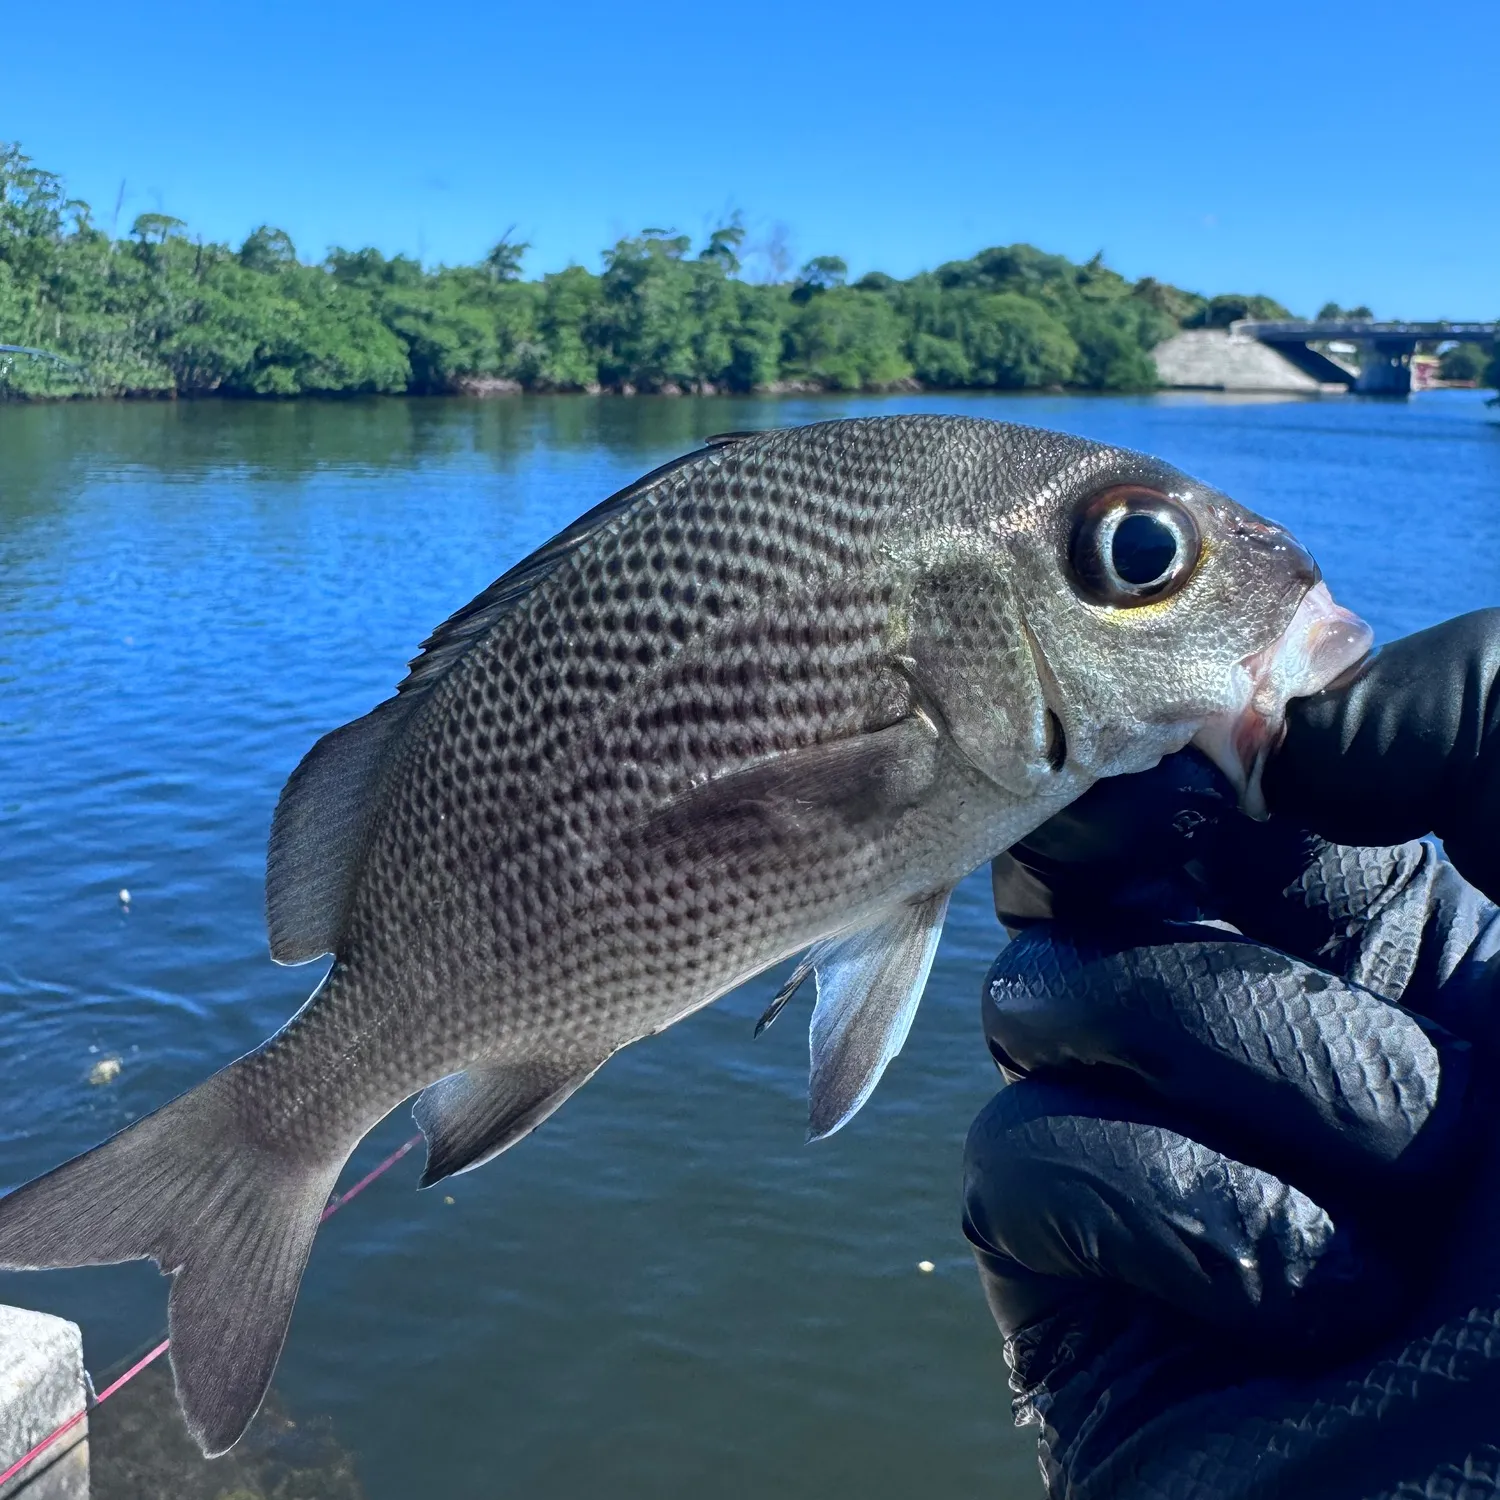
{"type": "Point", "coordinates": [779, 695]}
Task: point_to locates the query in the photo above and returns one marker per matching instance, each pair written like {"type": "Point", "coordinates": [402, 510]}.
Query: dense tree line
{"type": "Point", "coordinates": [164, 312]}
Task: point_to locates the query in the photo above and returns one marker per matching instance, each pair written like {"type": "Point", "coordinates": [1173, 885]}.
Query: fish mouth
{"type": "Point", "coordinates": [1322, 641]}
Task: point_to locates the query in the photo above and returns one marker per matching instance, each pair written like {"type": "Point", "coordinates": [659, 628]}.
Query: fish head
{"type": "Point", "coordinates": [1161, 613]}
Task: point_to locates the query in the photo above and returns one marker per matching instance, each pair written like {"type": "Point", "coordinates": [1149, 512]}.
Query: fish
{"type": "Point", "coordinates": [775, 698]}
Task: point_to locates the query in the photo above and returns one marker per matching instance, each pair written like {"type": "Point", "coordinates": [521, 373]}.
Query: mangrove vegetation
{"type": "Point", "coordinates": [164, 312]}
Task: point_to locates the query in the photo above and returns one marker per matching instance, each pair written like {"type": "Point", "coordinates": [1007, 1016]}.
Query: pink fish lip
{"type": "Point", "coordinates": [1321, 642]}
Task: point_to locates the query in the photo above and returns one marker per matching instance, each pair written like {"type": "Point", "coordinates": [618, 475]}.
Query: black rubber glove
{"type": "Point", "coordinates": [1409, 746]}
{"type": "Point", "coordinates": [1240, 1220]}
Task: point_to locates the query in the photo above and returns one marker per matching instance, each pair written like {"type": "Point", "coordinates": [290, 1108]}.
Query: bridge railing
{"type": "Point", "coordinates": [1317, 330]}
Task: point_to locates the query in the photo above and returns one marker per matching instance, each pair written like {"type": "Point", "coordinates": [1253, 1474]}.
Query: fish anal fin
{"type": "Point", "coordinates": [472, 1116]}
{"type": "Point", "coordinates": [869, 986]}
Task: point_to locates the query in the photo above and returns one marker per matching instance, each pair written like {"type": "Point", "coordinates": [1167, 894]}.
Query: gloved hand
{"type": "Point", "coordinates": [1238, 1217]}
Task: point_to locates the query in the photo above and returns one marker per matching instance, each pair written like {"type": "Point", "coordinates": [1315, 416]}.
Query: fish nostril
{"type": "Point", "coordinates": [1257, 533]}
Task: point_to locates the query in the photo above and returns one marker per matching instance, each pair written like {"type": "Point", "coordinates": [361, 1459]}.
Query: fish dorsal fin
{"type": "Point", "coordinates": [322, 820]}
{"type": "Point", "coordinates": [318, 835]}
{"type": "Point", "coordinates": [869, 985]}
{"type": "Point", "coordinates": [462, 628]}
{"type": "Point", "coordinates": [472, 1116]}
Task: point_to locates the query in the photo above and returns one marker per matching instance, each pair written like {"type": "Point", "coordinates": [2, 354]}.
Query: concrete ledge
{"type": "Point", "coordinates": [41, 1386]}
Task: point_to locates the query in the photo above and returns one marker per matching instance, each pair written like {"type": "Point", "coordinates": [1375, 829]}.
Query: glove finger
{"type": "Point", "coordinates": [1406, 745]}
{"type": "Point", "coordinates": [1359, 912]}
{"type": "Point", "coordinates": [1260, 1055]}
{"type": "Point", "coordinates": [1169, 844]}
{"type": "Point", "coordinates": [1064, 1194]}
{"type": "Point", "coordinates": [1122, 845]}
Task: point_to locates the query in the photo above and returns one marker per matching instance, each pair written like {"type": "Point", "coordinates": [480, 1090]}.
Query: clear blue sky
{"type": "Point", "coordinates": [1309, 150]}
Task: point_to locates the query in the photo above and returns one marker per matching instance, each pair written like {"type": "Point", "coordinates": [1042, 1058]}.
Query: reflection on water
{"type": "Point", "coordinates": [139, 1450]}
{"type": "Point", "coordinates": [664, 1292]}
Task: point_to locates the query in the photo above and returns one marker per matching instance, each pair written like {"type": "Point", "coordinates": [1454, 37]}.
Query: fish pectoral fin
{"type": "Point", "coordinates": [869, 985]}
{"type": "Point", "coordinates": [471, 1116]}
{"type": "Point", "coordinates": [799, 803]}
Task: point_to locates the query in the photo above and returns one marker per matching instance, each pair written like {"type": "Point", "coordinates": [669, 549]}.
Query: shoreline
{"type": "Point", "coordinates": [781, 391]}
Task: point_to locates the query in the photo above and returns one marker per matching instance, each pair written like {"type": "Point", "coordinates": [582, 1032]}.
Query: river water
{"type": "Point", "coordinates": [664, 1293]}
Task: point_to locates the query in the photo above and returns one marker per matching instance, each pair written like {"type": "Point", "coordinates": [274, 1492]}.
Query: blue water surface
{"type": "Point", "coordinates": [664, 1293]}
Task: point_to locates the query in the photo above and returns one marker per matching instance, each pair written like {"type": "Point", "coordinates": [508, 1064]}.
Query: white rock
{"type": "Point", "coordinates": [41, 1386]}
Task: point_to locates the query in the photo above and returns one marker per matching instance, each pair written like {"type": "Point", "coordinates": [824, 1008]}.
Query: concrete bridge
{"type": "Point", "coordinates": [1385, 348]}
{"type": "Point", "coordinates": [1253, 355]}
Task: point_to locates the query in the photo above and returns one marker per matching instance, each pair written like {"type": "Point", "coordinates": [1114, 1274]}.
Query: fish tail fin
{"type": "Point", "coordinates": [227, 1214]}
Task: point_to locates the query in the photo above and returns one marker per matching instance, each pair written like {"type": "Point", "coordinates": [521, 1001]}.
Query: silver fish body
{"type": "Point", "coordinates": [778, 696]}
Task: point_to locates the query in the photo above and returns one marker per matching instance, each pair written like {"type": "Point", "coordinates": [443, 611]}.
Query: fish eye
{"type": "Point", "coordinates": [1132, 545]}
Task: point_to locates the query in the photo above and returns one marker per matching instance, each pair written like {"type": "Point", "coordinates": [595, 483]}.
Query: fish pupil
{"type": "Point", "coordinates": [1142, 549]}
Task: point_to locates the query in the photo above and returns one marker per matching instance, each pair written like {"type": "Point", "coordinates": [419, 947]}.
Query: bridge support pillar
{"type": "Point", "coordinates": [1384, 369]}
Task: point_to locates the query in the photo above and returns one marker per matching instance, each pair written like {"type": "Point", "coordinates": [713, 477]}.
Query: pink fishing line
{"type": "Point", "coordinates": [334, 1205]}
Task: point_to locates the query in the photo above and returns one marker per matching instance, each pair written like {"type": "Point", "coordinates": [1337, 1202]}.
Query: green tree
{"type": "Point", "coordinates": [1114, 343]}
{"type": "Point", "coordinates": [1171, 301]}
{"type": "Point", "coordinates": [724, 245]}
{"type": "Point", "coordinates": [564, 355]}
{"type": "Point", "coordinates": [644, 328]}
{"type": "Point", "coordinates": [759, 337]}
{"type": "Point", "coordinates": [503, 262]}
{"type": "Point", "coordinates": [451, 323]}
{"type": "Point", "coordinates": [1231, 307]}
{"type": "Point", "coordinates": [265, 249]}
{"type": "Point", "coordinates": [1464, 362]}
{"type": "Point", "coordinates": [847, 340]}
{"type": "Point", "coordinates": [1014, 342]}
{"type": "Point", "coordinates": [821, 274]}
{"type": "Point", "coordinates": [160, 311]}
{"type": "Point", "coordinates": [1491, 375]}
{"type": "Point", "coordinates": [964, 336]}
{"type": "Point", "coordinates": [291, 332]}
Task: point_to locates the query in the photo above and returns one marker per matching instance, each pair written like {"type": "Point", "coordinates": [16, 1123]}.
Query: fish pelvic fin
{"type": "Point", "coordinates": [228, 1216]}
{"type": "Point", "coordinates": [789, 989]}
{"type": "Point", "coordinates": [470, 1117]}
{"type": "Point", "coordinates": [869, 985]}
